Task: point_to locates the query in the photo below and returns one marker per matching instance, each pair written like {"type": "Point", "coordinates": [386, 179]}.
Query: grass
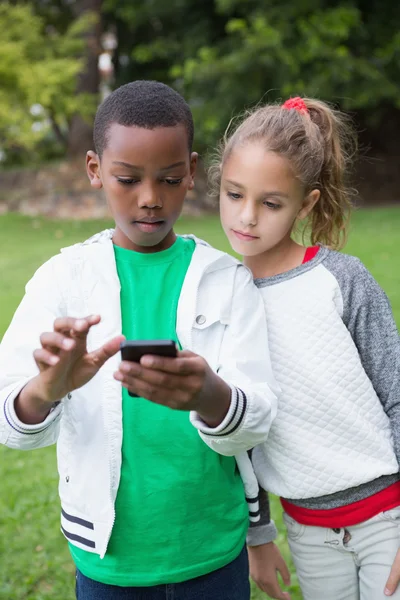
{"type": "Point", "coordinates": [34, 563]}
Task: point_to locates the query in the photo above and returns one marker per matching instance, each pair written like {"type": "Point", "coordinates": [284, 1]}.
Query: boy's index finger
{"type": "Point", "coordinates": [71, 324]}
{"type": "Point", "coordinates": [176, 366]}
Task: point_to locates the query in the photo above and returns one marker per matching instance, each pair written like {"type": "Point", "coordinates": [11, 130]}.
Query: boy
{"type": "Point", "coordinates": [148, 509]}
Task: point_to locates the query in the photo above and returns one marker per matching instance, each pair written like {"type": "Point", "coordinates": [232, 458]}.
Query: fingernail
{"type": "Point", "coordinates": [387, 592]}
{"type": "Point", "coordinates": [147, 361]}
{"type": "Point", "coordinates": [68, 344]}
{"type": "Point", "coordinates": [54, 360]}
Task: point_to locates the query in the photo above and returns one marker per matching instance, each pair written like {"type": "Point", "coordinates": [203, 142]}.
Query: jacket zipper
{"type": "Point", "coordinates": [110, 463]}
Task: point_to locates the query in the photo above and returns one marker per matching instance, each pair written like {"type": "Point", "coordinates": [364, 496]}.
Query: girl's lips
{"type": "Point", "coordinates": [146, 227]}
{"type": "Point", "coordinates": [244, 237]}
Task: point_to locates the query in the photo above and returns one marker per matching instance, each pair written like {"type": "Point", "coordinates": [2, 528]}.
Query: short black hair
{"type": "Point", "coordinates": [147, 104]}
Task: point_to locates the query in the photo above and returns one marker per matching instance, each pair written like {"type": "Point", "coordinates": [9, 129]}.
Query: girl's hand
{"type": "Point", "coordinates": [64, 364]}
{"type": "Point", "coordinates": [183, 383]}
{"type": "Point", "coordinates": [265, 563]}
{"type": "Point", "coordinates": [394, 577]}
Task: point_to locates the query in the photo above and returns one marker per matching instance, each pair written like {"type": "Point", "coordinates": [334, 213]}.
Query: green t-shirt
{"type": "Point", "coordinates": [180, 508]}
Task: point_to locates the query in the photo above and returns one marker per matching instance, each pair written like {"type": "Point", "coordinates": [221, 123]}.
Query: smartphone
{"type": "Point", "coordinates": [134, 350]}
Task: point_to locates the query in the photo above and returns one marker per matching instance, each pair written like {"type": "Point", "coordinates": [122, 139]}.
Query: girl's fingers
{"type": "Point", "coordinates": [45, 357]}
{"type": "Point", "coordinates": [285, 573]}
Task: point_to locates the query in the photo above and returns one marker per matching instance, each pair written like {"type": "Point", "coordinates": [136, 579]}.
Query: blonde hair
{"type": "Point", "coordinates": [319, 143]}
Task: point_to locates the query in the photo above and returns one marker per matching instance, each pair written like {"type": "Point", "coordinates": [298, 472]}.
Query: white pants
{"type": "Point", "coordinates": [345, 564]}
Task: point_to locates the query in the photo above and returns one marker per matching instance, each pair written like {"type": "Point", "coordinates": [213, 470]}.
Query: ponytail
{"type": "Point", "coordinates": [319, 142]}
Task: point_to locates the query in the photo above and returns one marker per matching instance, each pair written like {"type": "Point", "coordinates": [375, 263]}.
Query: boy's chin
{"type": "Point", "coordinates": [135, 238]}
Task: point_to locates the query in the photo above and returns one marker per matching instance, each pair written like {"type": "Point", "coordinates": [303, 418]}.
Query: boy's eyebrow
{"type": "Point", "coordinates": [120, 163]}
{"type": "Point", "coordinates": [129, 166]}
{"type": "Point", "coordinates": [177, 164]}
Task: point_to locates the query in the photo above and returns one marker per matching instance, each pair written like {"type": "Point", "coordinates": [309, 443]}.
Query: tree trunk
{"type": "Point", "coordinates": [80, 134]}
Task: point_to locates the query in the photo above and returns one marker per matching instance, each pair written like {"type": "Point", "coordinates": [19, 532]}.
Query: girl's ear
{"type": "Point", "coordinates": [193, 165]}
{"type": "Point", "coordinates": [308, 204]}
{"type": "Point", "coordinates": [93, 169]}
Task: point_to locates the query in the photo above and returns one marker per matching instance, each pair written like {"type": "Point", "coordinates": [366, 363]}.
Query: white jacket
{"type": "Point", "coordinates": [220, 316]}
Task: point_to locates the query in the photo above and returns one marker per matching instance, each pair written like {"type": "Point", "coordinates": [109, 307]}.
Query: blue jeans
{"type": "Point", "coordinates": [229, 583]}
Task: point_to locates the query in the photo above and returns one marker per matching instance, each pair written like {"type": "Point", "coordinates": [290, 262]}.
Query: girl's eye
{"type": "Point", "coordinates": [234, 195]}
{"type": "Point", "coordinates": [271, 205]}
{"type": "Point", "coordinates": [127, 181]}
{"type": "Point", "coordinates": [173, 181]}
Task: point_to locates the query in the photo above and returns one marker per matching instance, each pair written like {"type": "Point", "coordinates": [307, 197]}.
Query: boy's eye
{"type": "Point", "coordinates": [234, 195]}
{"type": "Point", "coordinates": [272, 205]}
{"type": "Point", "coordinates": [173, 181]}
{"type": "Point", "coordinates": [127, 181]}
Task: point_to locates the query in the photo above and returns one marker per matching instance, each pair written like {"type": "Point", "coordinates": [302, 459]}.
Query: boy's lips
{"type": "Point", "coordinates": [149, 225]}
{"type": "Point", "coordinates": [244, 237]}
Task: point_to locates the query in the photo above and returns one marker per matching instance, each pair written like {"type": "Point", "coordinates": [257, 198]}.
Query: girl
{"type": "Point", "coordinates": [333, 451]}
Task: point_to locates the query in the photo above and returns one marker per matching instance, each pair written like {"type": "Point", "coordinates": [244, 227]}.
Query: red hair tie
{"type": "Point", "coordinates": [297, 104]}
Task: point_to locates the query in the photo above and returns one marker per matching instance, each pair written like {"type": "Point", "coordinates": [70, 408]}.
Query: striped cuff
{"type": "Point", "coordinates": [232, 421]}
{"type": "Point", "coordinates": [263, 534]}
{"type": "Point", "coordinates": [23, 428]}
{"type": "Point", "coordinates": [254, 509]}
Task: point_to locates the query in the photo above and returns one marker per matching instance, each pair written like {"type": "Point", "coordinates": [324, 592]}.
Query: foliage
{"type": "Point", "coordinates": [225, 55]}
{"type": "Point", "coordinates": [39, 67]}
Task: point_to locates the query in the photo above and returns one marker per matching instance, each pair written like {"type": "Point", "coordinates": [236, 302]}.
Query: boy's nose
{"type": "Point", "coordinates": [149, 198]}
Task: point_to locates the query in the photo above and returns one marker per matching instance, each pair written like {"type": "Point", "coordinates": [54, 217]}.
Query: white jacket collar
{"type": "Point", "coordinates": [207, 257]}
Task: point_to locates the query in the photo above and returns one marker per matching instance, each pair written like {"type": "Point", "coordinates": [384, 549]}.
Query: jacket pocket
{"type": "Point", "coordinates": [392, 515]}
{"type": "Point", "coordinates": [207, 335]}
{"type": "Point", "coordinates": [208, 317]}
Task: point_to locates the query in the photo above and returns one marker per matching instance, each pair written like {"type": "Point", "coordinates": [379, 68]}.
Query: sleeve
{"type": "Point", "coordinates": [40, 306]}
{"type": "Point", "coordinates": [368, 316]}
{"type": "Point", "coordinates": [264, 531]}
{"type": "Point", "coordinates": [246, 366]}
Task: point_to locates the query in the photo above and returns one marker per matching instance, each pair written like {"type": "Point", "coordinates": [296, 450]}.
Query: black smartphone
{"type": "Point", "coordinates": [133, 350]}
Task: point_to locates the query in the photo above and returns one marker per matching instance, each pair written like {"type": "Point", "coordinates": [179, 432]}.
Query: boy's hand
{"type": "Point", "coordinates": [183, 383]}
{"type": "Point", "coordinates": [64, 364]}
{"type": "Point", "coordinates": [265, 563]}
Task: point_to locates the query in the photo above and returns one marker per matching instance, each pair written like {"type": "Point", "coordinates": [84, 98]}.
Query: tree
{"type": "Point", "coordinates": [80, 136]}
{"type": "Point", "coordinates": [39, 96]}
{"type": "Point", "coordinates": [225, 55]}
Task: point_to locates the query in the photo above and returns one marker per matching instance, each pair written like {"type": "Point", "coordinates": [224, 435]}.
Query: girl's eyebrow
{"type": "Point", "coordinates": [277, 194]}
{"type": "Point", "coordinates": [239, 185]}
{"type": "Point", "coordinates": [271, 193]}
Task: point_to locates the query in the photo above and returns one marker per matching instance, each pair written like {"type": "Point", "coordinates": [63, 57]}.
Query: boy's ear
{"type": "Point", "coordinates": [93, 169]}
{"type": "Point", "coordinates": [308, 204]}
{"type": "Point", "coordinates": [193, 165]}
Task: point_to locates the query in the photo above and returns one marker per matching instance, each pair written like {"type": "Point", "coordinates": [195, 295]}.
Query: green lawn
{"type": "Point", "coordinates": [34, 562]}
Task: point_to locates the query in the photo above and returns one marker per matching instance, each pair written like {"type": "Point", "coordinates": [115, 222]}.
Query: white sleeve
{"type": "Point", "coordinates": [246, 366]}
{"type": "Point", "coordinates": [40, 306]}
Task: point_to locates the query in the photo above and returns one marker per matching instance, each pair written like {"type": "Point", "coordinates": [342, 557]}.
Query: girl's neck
{"type": "Point", "coordinates": [281, 258]}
